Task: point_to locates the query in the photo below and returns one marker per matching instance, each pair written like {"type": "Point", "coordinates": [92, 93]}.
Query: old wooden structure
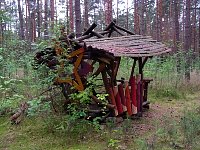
{"type": "Point", "coordinates": [102, 51]}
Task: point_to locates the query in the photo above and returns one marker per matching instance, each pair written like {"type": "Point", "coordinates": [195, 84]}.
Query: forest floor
{"type": "Point", "coordinates": [158, 129]}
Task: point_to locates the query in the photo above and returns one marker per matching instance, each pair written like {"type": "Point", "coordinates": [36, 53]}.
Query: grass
{"type": "Point", "coordinates": [162, 127]}
{"type": "Point", "coordinates": [32, 134]}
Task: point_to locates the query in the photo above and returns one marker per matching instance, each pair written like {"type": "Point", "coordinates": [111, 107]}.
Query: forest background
{"type": "Point", "coordinates": [28, 26]}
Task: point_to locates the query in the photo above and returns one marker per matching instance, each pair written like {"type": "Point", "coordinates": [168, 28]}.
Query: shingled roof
{"type": "Point", "coordinates": [131, 46]}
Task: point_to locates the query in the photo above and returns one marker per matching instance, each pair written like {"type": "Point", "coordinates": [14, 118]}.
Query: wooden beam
{"type": "Point", "coordinates": [118, 31]}
{"type": "Point", "coordinates": [125, 30]}
{"type": "Point", "coordinates": [115, 68]}
{"type": "Point", "coordinates": [109, 26]}
{"type": "Point", "coordinates": [140, 67]}
{"type": "Point", "coordinates": [97, 34]}
{"type": "Point", "coordinates": [89, 30]}
{"type": "Point", "coordinates": [106, 83]}
{"type": "Point", "coordinates": [133, 67]}
{"type": "Point", "coordinates": [83, 37]}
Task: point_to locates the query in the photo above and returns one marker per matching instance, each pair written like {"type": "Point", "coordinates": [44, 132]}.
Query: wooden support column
{"type": "Point", "coordinates": [140, 64]}
{"type": "Point", "coordinates": [106, 83]}
{"type": "Point", "coordinates": [115, 67]}
{"type": "Point", "coordinates": [139, 86]}
{"type": "Point", "coordinates": [133, 67]}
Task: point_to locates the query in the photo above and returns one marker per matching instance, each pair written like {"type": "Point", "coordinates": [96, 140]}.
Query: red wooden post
{"type": "Point", "coordinates": [118, 100]}
{"type": "Point", "coordinates": [133, 95]}
{"type": "Point", "coordinates": [122, 96]}
{"type": "Point", "coordinates": [128, 99]}
{"type": "Point", "coordinates": [112, 97]}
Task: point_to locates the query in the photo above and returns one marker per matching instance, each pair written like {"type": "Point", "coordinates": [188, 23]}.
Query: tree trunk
{"type": "Point", "coordinates": [187, 41]}
{"type": "Point", "coordinates": [142, 32]}
{"type": "Point", "coordinates": [52, 14]}
{"type": "Point", "coordinates": [159, 19]}
{"type": "Point", "coordinates": [108, 11]}
{"type": "Point", "coordinates": [78, 18]}
{"type": "Point", "coordinates": [136, 17]}
{"type": "Point", "coordinates": [27, 19]}
{"type": "Point", "coordinates": [46, 19]}
{"type": "Point", "coordinates": [127, 15]}
{"type": "Point", "coordinates": [194, 25]}
{"type": "Point", "coordinates": [199, 33]}
{"type": "Point", "coordinates": [38, 18]}
{"type": "Point", "coordinates": [86, 22]}
{"type": "Point", "coordinates": [21, 21]}
{"type": "Point", "coordinates": [71, 14]}
{"type": "Point", "coordinates": [67, 15]}
{"type": "Point", "coordinates": [176, 24]}
{"type": "Point", "coordinates": [1, 30]}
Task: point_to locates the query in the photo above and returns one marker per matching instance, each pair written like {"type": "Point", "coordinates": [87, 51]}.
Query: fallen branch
{"type": "Point", "coordinates": [19, 115]}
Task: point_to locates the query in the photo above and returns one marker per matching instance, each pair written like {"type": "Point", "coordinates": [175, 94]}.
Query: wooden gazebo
{"type": "Point", "coordinates": [124, 95]}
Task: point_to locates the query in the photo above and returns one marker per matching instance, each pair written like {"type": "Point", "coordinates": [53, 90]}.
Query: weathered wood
{"type": "Point", "coordinates": [133, 46]}
{"type": "Point", "coordinates": [139, 95]}
{"type": "Point", "coordinates": [140, 67]}
{"type": "Point", "coordinates": [145, 88]}
{"type": "Point", "coordinates": [97, 34]}
{"type": "Point", "coordinates": [109, 26]}
{"type": "Point", "coordinates": [106, 83]}
{"type": "Point", "coordinates": [110, 106]}
{"type": "Point", "coordinates": [18, 116]}
{"type": "Point", "coordinates": [83, 37]}
{"type": "Point", "coordinates": [122, 96]}
{"type": "Point", "coordinates": [71, 36]}
{"type": "Point", "coordinates": [100, 69]}
{"type": "Point", "coordinates": [89, 30]}
{"type": "Point", "coordinates": [128, 98]}
{"type": "Point", "coordinates": [125, 30]}
{"type": "Point", "coordinates": [133, 67]}
{"type": "Point", "coordinates": [112, 97]}
{"type": "Point", "coordinates": [118, 100]}
{"type": "Point", "coordinates": [134, 95]}
{"type": "Point", "coordinates": [118, 31]}
{"type": "Point", "coordinates": [104, 32]}
{"type": "Point", "coordinates": [115, 70]}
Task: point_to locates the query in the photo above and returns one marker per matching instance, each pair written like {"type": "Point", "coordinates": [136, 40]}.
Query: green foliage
{"type": "Point", "coordinates": [113, 143]}
{"type": "Point", "coordinates": [37, 107]}
{"type": "Point", "coordinates": [9, 97]}
{"type": "Point", "coordinates": [4, 16]}
{"type": "Point", "coordinates": [190, 125]}
{"type": "Point", "coordinates": [141, 144]}
{"type": "Point", "coordinates": [168, 92]}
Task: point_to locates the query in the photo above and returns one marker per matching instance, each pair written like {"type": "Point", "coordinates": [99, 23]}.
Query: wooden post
{"type": "Point", "coordinates": [133, 67]}
{"type": "Point", "coordinates": [115, 68]}
{"type": "Point", "coordinates": [122, 96]}
{"type": "Point", "coordinates": [128, 98]}
{"type": "Point", "coordinates": [112, 97]}
{"type": "Point", "coordinates": [118, 101]}
{"type": "Point", "coordinates": [139, 95]}
{"type": "Point", "coordinates": [133, 95]}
